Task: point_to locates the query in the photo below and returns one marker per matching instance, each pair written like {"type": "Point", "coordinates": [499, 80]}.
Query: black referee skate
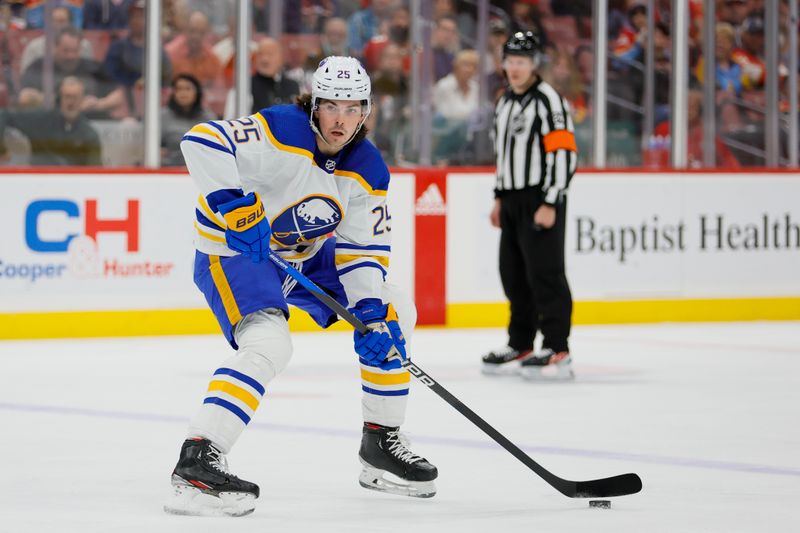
{"type": "Point", "coordinates": [203, 486]}
{"type": "Point", "coordinates": [504, 360]}
{"type": "Point", "coordinates": [384, 451]}
{"type": "Point", "coordinates": [548, 365]}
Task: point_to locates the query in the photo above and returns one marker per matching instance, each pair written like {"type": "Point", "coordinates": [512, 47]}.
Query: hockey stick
{"type": "Point", "coordinates": [596, 488]}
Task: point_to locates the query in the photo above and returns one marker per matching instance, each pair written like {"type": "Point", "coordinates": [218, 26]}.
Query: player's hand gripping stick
{"type": "Point", "coordinates": [248, 229]}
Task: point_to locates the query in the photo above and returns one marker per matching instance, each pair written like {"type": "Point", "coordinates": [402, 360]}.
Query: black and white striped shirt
{"type": "Point", "coordinates": [534, 142]}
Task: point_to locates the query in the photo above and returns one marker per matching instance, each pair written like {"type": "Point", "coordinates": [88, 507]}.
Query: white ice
{"type": "Point", "coordinates": [706, 414]}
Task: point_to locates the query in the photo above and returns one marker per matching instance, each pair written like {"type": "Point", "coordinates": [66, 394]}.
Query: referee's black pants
{"type": "Point", "coordinates": [532, 273]}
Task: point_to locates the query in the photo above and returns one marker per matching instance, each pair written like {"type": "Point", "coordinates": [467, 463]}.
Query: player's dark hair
{"type": "Point", "coordinates": [304, 102]}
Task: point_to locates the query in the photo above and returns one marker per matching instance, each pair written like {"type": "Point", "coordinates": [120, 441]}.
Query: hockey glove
{"type": "Point", "coordinates": [248, 230]}
{"type": "Point", "coordinates": [384, 346]}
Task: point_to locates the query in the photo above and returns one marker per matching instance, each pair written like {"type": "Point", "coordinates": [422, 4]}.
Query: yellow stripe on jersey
{"type": "Point", "coordinates": [207, 235]}
{"type": "Point", "coordinates": [209, 214]}
{"type": "Point", "coordinates": [385, 379]}
{"type": "Point", "coordinates": [202, 128]}
{"type": "Point", "coordinates": [235, 391]}
{"type": "Point", "coordinates": [279, 145]}
{"type": "Point", "coordinates": [360, 179]}
{"type": "Point", "coordinates": [342, 258]}
{"type": "Point", "coordinates": [224, 289]}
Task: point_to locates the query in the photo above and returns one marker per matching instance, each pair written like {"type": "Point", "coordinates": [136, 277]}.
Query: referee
{"type": "Point", "coordinates": [536, 158]}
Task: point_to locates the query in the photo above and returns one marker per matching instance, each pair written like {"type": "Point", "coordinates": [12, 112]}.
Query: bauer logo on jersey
{"type": "Point", "coordinates": [313, 217]}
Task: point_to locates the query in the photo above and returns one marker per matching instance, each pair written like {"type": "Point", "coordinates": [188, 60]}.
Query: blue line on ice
{"type": "Point", "coordinates": [458, 443]}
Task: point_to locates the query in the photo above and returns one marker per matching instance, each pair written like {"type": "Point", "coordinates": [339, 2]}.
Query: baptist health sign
{"type": "Point", "coordinates": [95, 242]}
{"type": "Point", "coordinates": [646, 236]}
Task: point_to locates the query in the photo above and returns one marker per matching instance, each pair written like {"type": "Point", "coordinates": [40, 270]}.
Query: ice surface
{"type": "Point", "coordinates": [706, 414]}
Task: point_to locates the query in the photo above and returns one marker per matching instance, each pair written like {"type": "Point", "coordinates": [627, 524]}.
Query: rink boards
{"type": "Point", "coordinates": [93, 253]}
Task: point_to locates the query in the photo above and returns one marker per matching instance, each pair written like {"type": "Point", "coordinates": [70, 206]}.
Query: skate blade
{"type": "Point", "coordinates": [373, 479]}
{"type": "Point", "coordinates": [548, 373]}
{"type": "Point", "coordinates": [507, 369]}
{"type": "Point", "coordinates": [191, 501]}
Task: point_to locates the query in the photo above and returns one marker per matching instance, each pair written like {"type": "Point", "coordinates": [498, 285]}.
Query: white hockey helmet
{"type": "Point", "coordinates": [340, 78]}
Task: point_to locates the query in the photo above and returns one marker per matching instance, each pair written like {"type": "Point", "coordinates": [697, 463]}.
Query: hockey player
{"type": "Point", "coordinates": [302, 181]}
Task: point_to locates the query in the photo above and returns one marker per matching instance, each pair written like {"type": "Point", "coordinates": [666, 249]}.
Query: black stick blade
{"type": "Point", "coordinates": [621, 485]}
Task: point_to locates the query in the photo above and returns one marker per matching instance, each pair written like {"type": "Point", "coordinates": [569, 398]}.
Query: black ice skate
{"type": "Point", "coordinates": [203, 486]}
{"type": "Point", "coordinates": [504, 360]}
{"type": "Point", "coordinates": [383, 451]}
{"type": "Point", "coordinates": [548, 365]}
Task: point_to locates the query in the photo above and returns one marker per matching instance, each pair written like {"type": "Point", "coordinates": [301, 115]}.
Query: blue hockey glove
{"type": "Point", "coordinates": [384, 346]}
{"type": "Point", "coordinates": [248, 230]}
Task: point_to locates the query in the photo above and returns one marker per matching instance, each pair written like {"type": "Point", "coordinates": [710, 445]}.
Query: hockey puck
{"type": "Point", "coordinates": [600, 504]}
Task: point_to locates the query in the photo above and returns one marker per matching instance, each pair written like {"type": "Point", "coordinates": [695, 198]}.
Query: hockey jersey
{"type": "Point", "coordinates": [308, 196]}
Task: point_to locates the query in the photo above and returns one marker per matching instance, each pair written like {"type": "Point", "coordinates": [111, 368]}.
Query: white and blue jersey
{"type": "Point", "coordinates": [308, 198]}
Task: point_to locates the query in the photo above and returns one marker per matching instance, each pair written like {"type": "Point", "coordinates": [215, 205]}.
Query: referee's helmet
{"type": "Point", "coordinates": [523, 43]}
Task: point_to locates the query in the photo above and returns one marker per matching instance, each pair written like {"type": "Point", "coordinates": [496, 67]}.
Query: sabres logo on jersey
{"type": "Point", "coordinates": [312, 217]}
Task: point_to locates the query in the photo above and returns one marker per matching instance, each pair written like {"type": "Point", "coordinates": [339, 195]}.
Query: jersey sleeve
{"type": "Point", "coordinates": [363, 244]}
{"type": "Point", "coordinates": [210, 156]}
{"type": "Point", "coordinates": [560, 149]}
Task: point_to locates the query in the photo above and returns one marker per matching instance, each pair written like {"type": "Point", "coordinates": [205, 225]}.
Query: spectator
{"type": "Point", "coordinates": [295, 57]}
{"type": "Point", "coordinates": [364, 24]}
{"type": "Point", "coordinates": [106, 14]}
{"type": "Point", "coordinates": [398, 32]}
{"type": "Point", "coordinates": [524, 17]}
{"type": "Point", "coordinates": [269, 85]}
{"type": "Point", "coordinates": [58, 137]}
{"type": "Point", "coordinates": [60, 18]}
{"type": "Point", "coordinates": [732, 11]}
{"type": "Point", "coordinates": [226, 52]}
{"type": "Point", "coordinates": [101, 95]}
{"type": "Point", "coordinates": [218, 12]}
{"type": "Point", "coordinates": [444, 43]}
{"type": "Point", "coordinates": [183, 110]}
{"type": "Point", "coordinates": [313, 14]}
{"type": "Point", "coordinates": [728, 72]}
{"type": "Point", "coordinates": [663, 70]}
{"type": "Point", "coordinates": [292, 17]}
{"type": "Point", "coordinates": [617, 19]}
{"type": "Point", "coordinates": [332, 42]}
{"type": "Point", "coordinates": [34, 12]}
{"type": "Point", "coordinates": [498, 35]}
{"type": "Point", "coordinates": [174, 17]}
{"type": "Point", "coordinates": [751, 54]}
{"type": "Point", "coordinates": [192, 54]}
{"type": "Point", "coordinates": [124, 61]}
{"type": "Point", "coordinates": [694, 111]}
{"type": "Point", "coordinates": [455, 101]}
{"type": "Point", "coordinates": [628, 46]}
{"type": "Point", "coordinates": [455, 96]}
{"type": "Point", "coordinates": [390, 92]}
{"type": "Point", "coordinates": [464, 17]}
{"type": "Point", "coordinates": [563, 75]}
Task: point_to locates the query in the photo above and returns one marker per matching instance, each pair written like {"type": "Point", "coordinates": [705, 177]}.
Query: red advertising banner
{"type": "Point", "coordinates": [430, 215]}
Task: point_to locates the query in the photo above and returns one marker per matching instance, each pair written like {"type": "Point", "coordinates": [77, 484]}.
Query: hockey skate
{"type": "Point", "coordinates": [384, 452]}
{"type": "Point", "coordinates": [548, 365]}
{"type": "Point", "coordinates": [503, 361]}
{"type": "Point", "coordinates": [203, 486]}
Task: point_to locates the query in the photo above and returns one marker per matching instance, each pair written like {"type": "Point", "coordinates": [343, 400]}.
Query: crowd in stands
{"type": "Point", "coordinates": [52, 52]}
